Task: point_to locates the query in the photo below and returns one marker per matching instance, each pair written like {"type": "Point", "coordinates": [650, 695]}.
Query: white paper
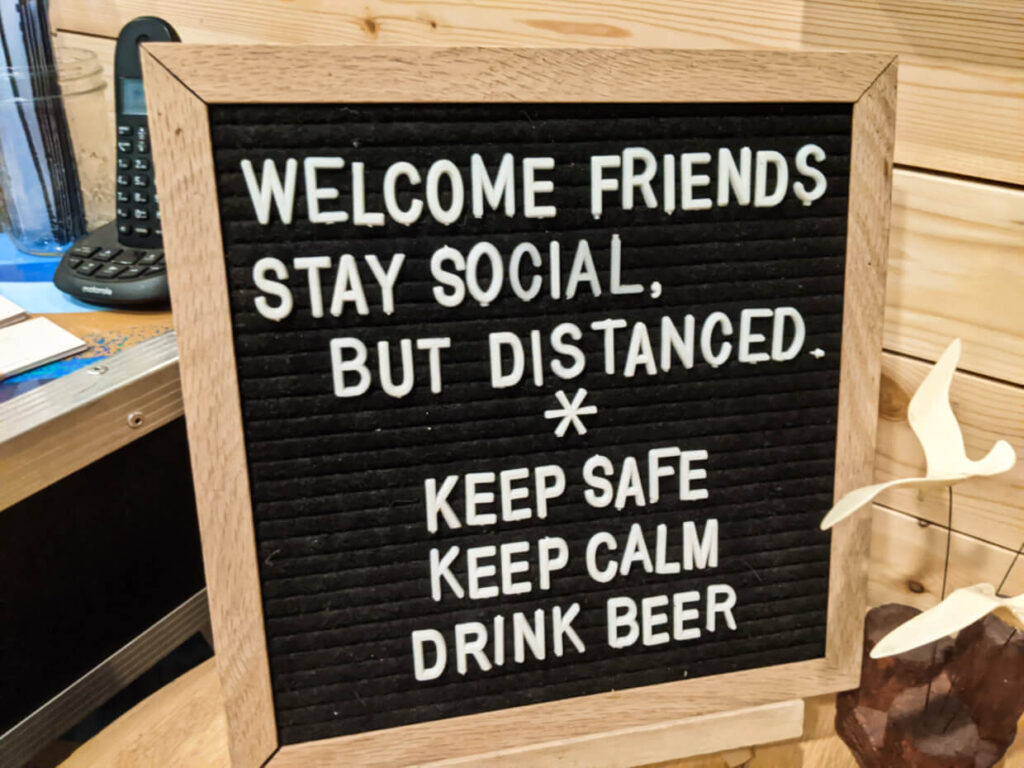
{"type": "Point", "coordinates": [10, 312]}
{"type": "Point", "coordinates": [35, 342]}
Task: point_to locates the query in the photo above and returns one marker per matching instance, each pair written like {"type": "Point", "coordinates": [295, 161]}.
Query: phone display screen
{"type": "Point", "coordinates": [133, 98]}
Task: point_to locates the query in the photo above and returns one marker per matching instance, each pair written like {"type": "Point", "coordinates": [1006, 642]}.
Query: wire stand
{"type": "Point", "coordinates": [945, 580]}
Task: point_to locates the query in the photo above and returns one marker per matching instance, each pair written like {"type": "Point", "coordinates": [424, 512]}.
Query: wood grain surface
{"type": "Point", "coordinates": [246, 74]}
{"type": "Point", "coordinates": [907, 561]}
{"type": "Point", "coordinates": [182, 156]}
{"type": "Point", "coordinates": [961, 85]}
{"type": "Point", "coordinates": [121, 328]}
{"type": "Point", "coordinates": [956, 269]}
{"type": "Point", "coordinates": [183, 724]}
{"type": "Point", "coordinates": [988, 508]}
{"type": "Point", "coordinates": [866, 256]}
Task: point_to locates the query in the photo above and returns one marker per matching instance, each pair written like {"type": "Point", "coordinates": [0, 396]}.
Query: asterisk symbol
{"type": "Point", "coordinates": [570, 413]}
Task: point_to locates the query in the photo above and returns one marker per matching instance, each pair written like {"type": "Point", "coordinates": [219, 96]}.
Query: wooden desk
{"type": "Point", "coordinates": [183, 724]}
{"type": "Point", "coordinates": [107, 333]}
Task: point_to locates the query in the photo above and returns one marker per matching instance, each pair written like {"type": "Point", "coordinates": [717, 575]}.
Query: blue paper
{"type": "Point", "coordinates": [27, 280]}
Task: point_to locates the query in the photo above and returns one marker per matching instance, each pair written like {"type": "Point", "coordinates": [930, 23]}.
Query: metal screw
{"type": "Point", "coordinates": [135, 419]}
{"type": "Point", "coordinates": [97, 370]}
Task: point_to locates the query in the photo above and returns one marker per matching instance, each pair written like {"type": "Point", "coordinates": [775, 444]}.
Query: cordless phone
{"type": "Point", "coordinates": [122, 263]}
{"type": "Point", "coordinates": [138, 215]}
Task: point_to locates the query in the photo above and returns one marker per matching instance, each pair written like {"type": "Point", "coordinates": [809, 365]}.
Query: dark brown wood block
{"type": "Point", "coordinates": [949, 704]}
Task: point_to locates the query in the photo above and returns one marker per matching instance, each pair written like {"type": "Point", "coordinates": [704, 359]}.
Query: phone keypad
{"type": "Point", "coordinates": [117, 263]}
{"type": "Point", "coordinates": [138, 214]}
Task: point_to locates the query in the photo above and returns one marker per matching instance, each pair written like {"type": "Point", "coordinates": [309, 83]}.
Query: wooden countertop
{"type": "Point", "coordinates": [114, 330]}
{"type": "Point", "coordinates": [183, 724]}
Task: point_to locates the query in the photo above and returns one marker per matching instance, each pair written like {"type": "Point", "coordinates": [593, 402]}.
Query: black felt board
{"type": "Point", "coordinates": [337, 484]}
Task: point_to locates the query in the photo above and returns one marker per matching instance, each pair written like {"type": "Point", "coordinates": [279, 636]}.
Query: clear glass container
{"type": "Point", "coordinates": [88, 104]}
{"type": "Point", "coordinates": [55, 149]}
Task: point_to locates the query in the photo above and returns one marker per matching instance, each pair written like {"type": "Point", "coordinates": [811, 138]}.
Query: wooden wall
{"type": "Point", "coordinates": [957, 243]}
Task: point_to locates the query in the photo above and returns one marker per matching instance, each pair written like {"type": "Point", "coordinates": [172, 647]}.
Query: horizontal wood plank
{"type": "Point", "coordinates": [960, 88]}
{"type": "Point", "coordinates": [959, 117]}
{"type": "Point", "coordinates": [989, 508]}
{"type": "Point", "coordinates": [956, 269]}
{"type": "Point", "coordinates": [946, 29]}
{"type": "Point", "coordinates": [907, 562]}
{"type": "Point", "coordinates": [324, 74]}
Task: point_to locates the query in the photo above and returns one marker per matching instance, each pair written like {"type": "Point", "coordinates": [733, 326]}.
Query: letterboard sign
{"type": "Point", "coordinates": [534, 399]}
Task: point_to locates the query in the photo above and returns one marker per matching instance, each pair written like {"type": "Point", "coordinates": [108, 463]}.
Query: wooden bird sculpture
{"type": "Point", "coordinates": [960, 609]}
{"type": "Point", "coordinates": [937, 430]}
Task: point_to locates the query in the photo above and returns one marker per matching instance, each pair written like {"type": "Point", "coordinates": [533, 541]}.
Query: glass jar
{"type": "Point", "coordinates": [55, 145]}
{"type": "Point", "coordinates": [88, 106]}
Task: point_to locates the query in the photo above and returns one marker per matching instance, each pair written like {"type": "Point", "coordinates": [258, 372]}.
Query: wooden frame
{"type": "Point", "coordinates": [182, 80]}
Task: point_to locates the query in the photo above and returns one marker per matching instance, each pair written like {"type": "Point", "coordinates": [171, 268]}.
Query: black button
{"type": "Point", "coordinates": [140, 213]}
{"type": "Point", "coordinates": [127, 258]}
{"type": "Point", "coordinates": [107, 254]}
{"type": "Point", "coordinates": [140, 181]}
{"type": "Point", "coordinates": [151, 258]}
{"type": "Point", "coordinates": [155, 270]}
{"type": "Point", "coordinates": [84, 250]}
{"type": "Point", "coordinates": [141, 134]}
{"type": "Point", "coordinates": [142, 231]}
{"type": "Point", "coordinates": [158, 232]}
{"type": "Point", "coordinates": [124, 229]}
{"type": "Point", "coordinates": [142, 147]}
{"type": "Point", "coordinates": [88, 267]}
{"type": "Point", "coordinates": [156, 199]}
{"type": "Point", "coordinates": [124, 147]}
{"type": "Point", "coordinates": [158, 214]}
{"type": "Point", "coordinates": [123, 164]}
{"type": "Point", "coordinates": [122, 180]}
{"type": "Point", "coordinates": [110, 271]}
{"type": "Point", "coordinates": [140, 197]}
{"type": "Point", "coordinates": [140, 164]}
{"type": "Point", "coordinates": [122, 196]}
{"type": "Point", "coordinates": [130, 272]}
{"type": "Point", "coordinates": [123, 212]}
{"type": "Point", "coordinates": [73, 262]}
{"type": "Point", "coordinates": [124, 130]}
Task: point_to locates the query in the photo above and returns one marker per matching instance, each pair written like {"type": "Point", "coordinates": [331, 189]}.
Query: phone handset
{"type": "Point", "coordinates": [138, 210]}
